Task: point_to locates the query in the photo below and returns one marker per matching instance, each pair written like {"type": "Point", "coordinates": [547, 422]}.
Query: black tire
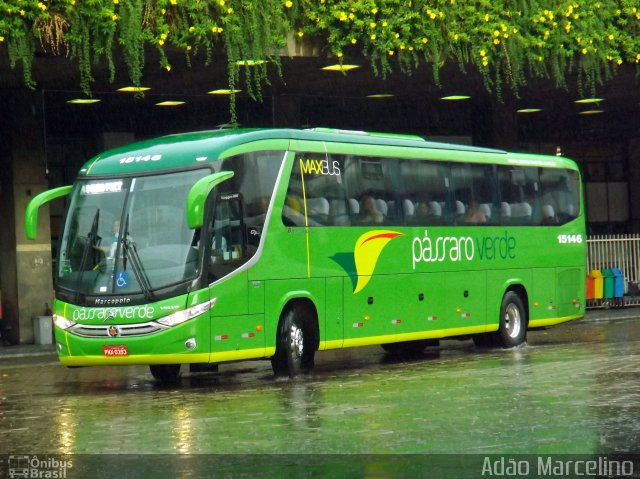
{"type": "Point", "coordinates": [513, 321]}
{"type": "Point", "coordinates": [409, 348]}
{"type": "Point", "coordinates": [295, 344]}
{"type": "Point", "coordinates": [165, 373]}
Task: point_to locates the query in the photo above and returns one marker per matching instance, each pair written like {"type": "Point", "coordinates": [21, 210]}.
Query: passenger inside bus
{"type": "Point", "coordinates": [475, 215]}
{"type": "Point", "coordinates": [369, 213]}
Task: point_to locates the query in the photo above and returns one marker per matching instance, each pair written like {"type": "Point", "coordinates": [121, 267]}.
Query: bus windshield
{"type": "Point", "coordinates": [128, 235]}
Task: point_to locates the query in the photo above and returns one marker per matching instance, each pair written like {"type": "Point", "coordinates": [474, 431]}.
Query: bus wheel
{"type": "Point", "coordinates": [513, 321]}
{"type": "Point", "coordinates": [294, 349]}
{"type": "Point", "coordinates": [165, 373]}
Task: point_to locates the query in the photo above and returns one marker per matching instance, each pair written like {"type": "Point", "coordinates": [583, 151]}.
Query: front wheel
{"type": "Point", "coordinates": [295, 349]}
{"type": "Point", "coordinates": [513, 321]}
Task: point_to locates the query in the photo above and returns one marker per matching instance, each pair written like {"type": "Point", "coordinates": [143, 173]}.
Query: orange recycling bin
{"type": "Point", "coordinates": [598, 283]}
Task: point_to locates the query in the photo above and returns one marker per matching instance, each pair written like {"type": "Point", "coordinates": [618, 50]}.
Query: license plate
{"type": "Point", "coordinates": [115, 350]}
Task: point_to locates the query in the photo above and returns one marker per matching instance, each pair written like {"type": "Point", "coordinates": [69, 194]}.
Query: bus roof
{"type": "Point", "coordinates": [187, 150]}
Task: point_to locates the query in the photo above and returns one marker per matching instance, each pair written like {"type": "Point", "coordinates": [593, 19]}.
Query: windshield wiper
{"type": "Point", "coordinates": [129, 251]}
{"type": "Point", "coordinates": [92, 241]}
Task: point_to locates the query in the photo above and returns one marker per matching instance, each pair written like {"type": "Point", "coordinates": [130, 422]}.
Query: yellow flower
{"type": "Point", "coordinates": [567, 27]}
{"type": "Point", "coordinates": [584, 51]}
{"type": "Point", "coordinates": [610, 37]}
{"type": "Point", "coordinates": [482, 53]}
{"type": "Point", "coordinates": [221, 3]}
{"type": "Point", "coordinates": [411, 49]}
{"type": "Point", "coordinates": [401, 46]}
{"type": "Point", "coordinates": [42, 6]}
{"type": "Point", "coordinates": [425, 39]}
{"type": "Point", "coordinates": [192, 29]}
{"type": "Point", "coordinates": [485, 62]}
{"type": "Point", "coordinates": [496, 33]}
{"type": "Point", "coordinates": [397, 35]}
{"type": "Point", "coordinates": [384, 24]}
{"type": "Point", "coordinates": [374, 10]}
{"type": "Point", "coordinates": [115, 2]}
{"type": "Point", "coordinates": [505, 35]}
{"type": "Point", "coordinates": [354, 41]}
{"type": "Point", "coordinates": [114, 17]}
{"type": "Point", "coordinates": [160, 42]}
{"type": "Point", "coordinates": [168, 68]}
{"type": "Point", "coordinates": [496, 41]}
{"type": "Point", "coordinates": [288, 4]}
{"type": "Point", "coordinates": [619, 62]}
{"type": "Point", "coordinates": [373, 36]}
{"type": "Point", "coordinates": [391, 52]}
{"type": "Point", "coordinates": [188, 48]}
{"type": "Point", "coordinates": [300, 34]}
{"type": "Point", "coordinates": [230, 11]}
{"type": "Point", "coordinates": [22, 12]}
{"type": "Point", "coordinates": [163, 36]}
{"type": "Point", "coordinates": [503, 27]}
{"type": "Point", "coordinates": [372, 25]}
{"type": "Point", "coordinates": [1, 38]}
{"type": "Point", "coordinates": [486, 17]}
{"type": "Point", "coordinates": [173, 2]}
{"type": "Point", "coordinates": [343, 17]}
{"type": "Point", "coordinates": [456, 37]}
{"type": "Point", "coordinates": [339, 54]}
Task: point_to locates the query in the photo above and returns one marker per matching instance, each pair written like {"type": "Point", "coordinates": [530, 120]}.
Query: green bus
{"type": "Point", "coordinates": [208, 247]}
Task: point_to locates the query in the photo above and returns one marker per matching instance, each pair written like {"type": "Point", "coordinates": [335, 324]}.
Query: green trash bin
{"type": "Point", "coordinates": [609, 283]}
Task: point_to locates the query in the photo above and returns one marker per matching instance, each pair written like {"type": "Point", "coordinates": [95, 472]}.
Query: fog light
{"type": "Point", "coordinates": [190, 344]}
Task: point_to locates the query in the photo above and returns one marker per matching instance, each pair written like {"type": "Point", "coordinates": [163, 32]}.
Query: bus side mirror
{"type": "Point", "coordinates": [31, 213]}
{"type": "Point", "coordinates": [197, 196]}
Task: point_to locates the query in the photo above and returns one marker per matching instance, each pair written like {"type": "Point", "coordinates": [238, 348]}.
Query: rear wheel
{"type": "Point", "coordinates": [513, 321]}
{"type": "Point", "coordinates": [295, 348]}
{"type": "Point", "coordinates": [165, 373]}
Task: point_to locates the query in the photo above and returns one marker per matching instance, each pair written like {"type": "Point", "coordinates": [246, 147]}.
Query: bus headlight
{"type": "Point", "coordinates": [187, 314]}
{"type": "Point", "coordinates": [62, 322]}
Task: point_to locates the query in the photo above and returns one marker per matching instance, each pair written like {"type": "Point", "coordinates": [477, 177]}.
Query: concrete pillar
{"type": "Point", "coordinates": [25, 275]}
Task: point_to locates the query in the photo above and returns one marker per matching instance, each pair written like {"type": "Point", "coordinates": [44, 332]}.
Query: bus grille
{"type": "Point", "coordinates": [123, 330]}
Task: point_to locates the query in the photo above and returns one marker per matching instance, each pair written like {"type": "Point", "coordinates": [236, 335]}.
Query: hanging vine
{"type": "Point", "coordinates": [507, 41]}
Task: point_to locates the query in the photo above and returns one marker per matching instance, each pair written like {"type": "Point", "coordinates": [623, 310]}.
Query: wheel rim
{"type": "Point", "coordinates": [296, 341]}
{"type": "Point", "coordinates": [512, 320]}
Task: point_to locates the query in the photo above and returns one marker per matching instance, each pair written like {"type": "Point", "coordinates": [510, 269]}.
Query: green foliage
{"type": "Point", "coordinates": [508, 41]}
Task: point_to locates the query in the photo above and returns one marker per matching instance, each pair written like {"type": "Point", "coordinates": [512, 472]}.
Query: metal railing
{"type": "Point", "coordinates": [616, 251]}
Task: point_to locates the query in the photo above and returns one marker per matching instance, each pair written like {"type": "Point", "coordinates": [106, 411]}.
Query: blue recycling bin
{"type": "Point", "coordinates": [618, 283]}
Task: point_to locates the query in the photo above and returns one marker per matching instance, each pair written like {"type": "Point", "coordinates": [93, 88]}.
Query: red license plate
{"type": "Point", "coordinates": [115, 350]}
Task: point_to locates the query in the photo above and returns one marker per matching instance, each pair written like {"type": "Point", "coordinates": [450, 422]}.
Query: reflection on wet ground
{"type": "Point", "coordinates": [573, 389]}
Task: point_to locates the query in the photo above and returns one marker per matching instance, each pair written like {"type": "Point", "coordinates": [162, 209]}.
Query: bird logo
{"type": "Point", "coordinates": [367, 250]}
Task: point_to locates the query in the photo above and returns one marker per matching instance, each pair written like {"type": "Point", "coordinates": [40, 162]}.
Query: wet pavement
{"type": "Point", "coordinates": [573, 389]}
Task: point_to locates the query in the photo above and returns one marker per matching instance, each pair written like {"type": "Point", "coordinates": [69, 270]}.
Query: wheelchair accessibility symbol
{"type": "Point", "coordinates": [122, 279]}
